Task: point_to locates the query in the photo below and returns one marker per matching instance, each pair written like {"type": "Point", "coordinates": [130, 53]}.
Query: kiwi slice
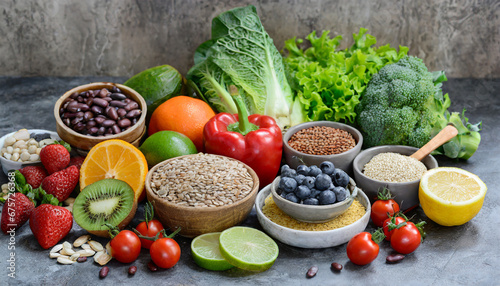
{"type": "Point", "coordinates": [108, 201]}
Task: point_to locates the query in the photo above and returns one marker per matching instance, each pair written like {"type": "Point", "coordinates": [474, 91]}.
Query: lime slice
{"type": "Point", "coordinates": [206, 253]}
{"type": "Point", "coordinates": [248, 248]}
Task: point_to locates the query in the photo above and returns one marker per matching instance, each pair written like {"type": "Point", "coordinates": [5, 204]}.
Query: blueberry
{"type": "Point", "coordinates": [299, 178]}
{"type": "Point", "coordinates": [291, 197]}
{"type": "Point", "coordinates": [303, 170]}
{"type": "Point", "coordinates": [283, 194]}
{"type": "Point", "coordinates": [287, 184]}
{"type": "Point", "coordinates": [302, 192]}
{"type": "Point", "coordinates": [309, 182]}
{"type": "Point", "coordinates": [327, 167]}
{"type": "Point", "coordinates": [327, 197]}
{"type": "Point", "coordinates": [311, 201]}
{"type": "Point", "coordinates": [314, 193]}
{"type": "Point", "coordinates": [340, 178]}
{"type": "Point", "coordinates": [40, 136]}
{"type": "Point", "coordinates": [314, 171]}
{"type": "Point", "coordinates": [286, 171]}
{"type": "Point", "coordinates": [323, 182]}
{"type": "Point", "coordinates": [340, 193]}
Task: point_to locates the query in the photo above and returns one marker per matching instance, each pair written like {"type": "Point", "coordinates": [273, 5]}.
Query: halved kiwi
{"type": "Point", "coordinates": [108, 201]}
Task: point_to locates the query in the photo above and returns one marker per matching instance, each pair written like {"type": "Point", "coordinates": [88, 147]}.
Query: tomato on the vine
{"type": "Point", "coordinates": [395, 220]}
{"type": "Point", "coordinates": [165, 252]}
{"type": "Point", "coordinates": [149, 227]}
{"type": "Point", "coordinates": [383, 208]}
{"type": "Point", "coordinates": [407, 237]}
{"type": "Point", "coordinates": [125, 246]}
{"type": "Point", "coordinates": [363, 247]}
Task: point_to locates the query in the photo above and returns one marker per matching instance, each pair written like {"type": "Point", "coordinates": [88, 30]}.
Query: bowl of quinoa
{"type": "Point", "coordinates": [311, 143]}
{"type": "Point", "coordinates": [390, 166]}
{"type": "Point", "coordinates": [201, 193]}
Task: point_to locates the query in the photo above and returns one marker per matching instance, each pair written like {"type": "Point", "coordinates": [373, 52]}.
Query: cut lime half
{"type": "Point", "coordinates": [206, 253]}
{"type": "Point", "coordinates": [248, 248]}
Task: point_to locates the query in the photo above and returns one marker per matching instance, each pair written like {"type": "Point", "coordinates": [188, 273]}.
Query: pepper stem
{"type": "Point", "coordinates": [243, 126]}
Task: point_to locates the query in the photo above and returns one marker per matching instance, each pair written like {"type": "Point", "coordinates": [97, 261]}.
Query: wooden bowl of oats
{"type": "Point", "coordinates": [201, 193]}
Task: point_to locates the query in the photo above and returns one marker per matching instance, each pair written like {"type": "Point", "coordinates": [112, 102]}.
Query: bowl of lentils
{"type": "Point", "coordinates": [390, 166]}
{"type": "Point", "coordinates": [201, 193]}
{"type": "Point", "coordinates": [89, 114]}
{"type": "Point", "coordinates": [311, 143]}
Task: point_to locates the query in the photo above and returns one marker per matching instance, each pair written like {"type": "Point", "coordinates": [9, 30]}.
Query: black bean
{"type": "Point", "coordinates": [394, 258]}
{"type": "Point", "coordinates": [96, 109]}
{"type": "Point", "coordinates": [117, 103]}
{"type": "Point", "coordinates": [112, 114]}
{"type": "Point", "coordinates": [133, 113]}
{"type": "Point", "coordinates": [124, 122]}
{"type": "Point", "coordinates": [74, 95]}
{"type": "Point", "coordinates": [104, 272]}
{"type": "Point", "coordinates": [121, 112]}
{"type": "Point", "coordinates": [312, 272]}
{"type": "Point", "coordinates": [88, 115]}
{"type": "Point", "coordinates": [83, 107]}
{"type": "Point", "coordinates": [108, 123]}
{"type": "Point", "coordinates": [100, 102]}
{"type": "Point", "coordinates": [103, 93]}
{"type": "Point", "coordinates": [118, 96]}
{"type": "Point", "coordinates": [116, 129]}
{"type": "Point", "coordinates": [132, 105]}
{"type": "Point", "coordinates": [336, 266]}
{"type": "Point", "coordinates": [100, 119]}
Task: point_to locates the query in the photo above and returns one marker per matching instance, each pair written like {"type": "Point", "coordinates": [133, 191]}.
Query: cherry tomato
{"type": "Point", "coordinates": [362, 249]}
{"type": "Point", "coordinates": [149, 229]}
{"type": "Point", "coordinates": [406, 239]}
{"type": "Point", "coordinates": [165, 252]}
{"type": "Point", "coordinates": [125, 246]}
{"type": "Point", "coordinates": [383, 208]}
{"type": "Point", "coordinates": [387, 233]}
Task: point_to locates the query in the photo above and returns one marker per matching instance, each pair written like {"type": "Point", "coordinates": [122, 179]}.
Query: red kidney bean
{"type": "Point", "coordinates": [336, 266]}
{"type": "Point", "coordinates": [127, 100]}
{"type": "Point", "coordinates": [89, 101]}
{"type": "Point", "coordinates": [83, 107]}
{"type": "Point", "coordinates": [312, 272]}
{"type": "Point", "coordinates": [134, 120]}
{"type": "Point", "coordinates": [73, 106]}
{"type": "Point", "coordinates": [69, 115]}
{"type": "Point", "coordinates": [133, 113]}
{"type": "Point", "coordinates": [118, 96]}
{"type": "Point", "coordinates": [74, 95]}
{"type": "Point", "coordinates": [394, 258]}
{"type": "Point", "coordinates": [112, 114]}
{"type": "Point", "coordinates": [100, 119]}
{"type": "Point", "coordinates": [88, 115]}
{"type": "Point", "coordinates": [81, 259]}
{"type": "Point", "coordinates": [125, 122]}
{"type": "Point", "coordinates": [76, 120]}
{"type": "Point", "coordinates": [117, 103]}
{"type": "Point", "coordinates": [93, 130]}
{"type": "Point", "coordinates": [103, 93]}
{"type": "Point", "coordinates": [108, 99]}
{"type": "Point", "coordinates": [65, 104]}
{"type": "Point", "coordinates": [121, 112]}
{"type": "Point", "coordinates": [152, 266]}
{"type": "Point", "coordinates": [108, 123]}
{"type": "Point", "coordinates": [132, 105]}
{"type": "Point", "coordinates": [61, 110]}
{"type": "Point", "coordinates": [91, 123]}
{"type": "Point", "coordinates": [96, 109]}
{"type": "Point", "coordinates": [79, 98]}
{"type": "Point", "coordinates": [115, 89]}
{"type": "Point", "coordinates": [101, 102]}
{"type": "Point", "coordinates": [132, 270]}
{"type": "Point", "coordinates": [79, 127]}
{"type": "Point", "coordinates": [104, 272]}
{"type": "Point", "coordinates": [116, 129]}
{"type": "Point", "coordinates": [101, 130]}
{"type": "Point", "coordinates": [67, 121]}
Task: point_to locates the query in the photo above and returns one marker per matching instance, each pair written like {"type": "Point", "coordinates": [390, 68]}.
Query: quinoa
{"type": "Point", "coordinates": [394, 168]}
{"type": "Point", "coordinates": [276, 215]}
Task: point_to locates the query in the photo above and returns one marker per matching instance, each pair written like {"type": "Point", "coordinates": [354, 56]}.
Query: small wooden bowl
{"type": "Point", "coordinates": [86, 142]}
{"type": "Point", "coordinates": [195, 221]}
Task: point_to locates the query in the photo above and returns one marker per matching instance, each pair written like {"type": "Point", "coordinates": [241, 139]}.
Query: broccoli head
{"type": "Point", "coordinates": [403, 105]}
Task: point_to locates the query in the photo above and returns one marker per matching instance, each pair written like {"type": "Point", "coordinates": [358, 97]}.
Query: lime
{"type": "Point", "coordinates": [248, 248]}
{"type": "Point", "coordinates": [206, 253]}
{"type": "Point", "coordinates": [451, 196]}
{"type": "Point", "coordinates": [164, 145]}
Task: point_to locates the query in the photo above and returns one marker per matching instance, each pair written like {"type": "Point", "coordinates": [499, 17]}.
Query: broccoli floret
{"type": "Point", "coordinates": [403, 105]}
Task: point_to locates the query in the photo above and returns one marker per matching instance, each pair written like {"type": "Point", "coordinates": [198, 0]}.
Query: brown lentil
{"type": "Point", "coordinates": [394, 168]}
{"type": "Point", "coordinates": [276, 215]}
{"type": "Point", "coordinates": [202, 180]}
{"type": "Point", "coordinates": [322, 140]}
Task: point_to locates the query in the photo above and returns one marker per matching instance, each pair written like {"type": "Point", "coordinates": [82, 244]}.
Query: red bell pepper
{"type": "Point", "coordinates": [255, 140]}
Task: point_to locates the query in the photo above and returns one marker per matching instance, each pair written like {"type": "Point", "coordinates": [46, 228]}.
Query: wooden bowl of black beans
{"type": "Point", "coordinates": [89, 114]}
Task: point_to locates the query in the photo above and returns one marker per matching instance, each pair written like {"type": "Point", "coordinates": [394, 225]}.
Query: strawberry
{"type": "Point", "coordinates": [16, 211]}
{"type": "Point", "coordinates": [34, 175]}
{"type": "Point", "coordinates": [77, 161]}
{"type": "Point", "coordinates": [54, 157]}
{"type": "Point", "coordinates": [61, 183]}
{"type": "Point", "coordinates": [50, 224]}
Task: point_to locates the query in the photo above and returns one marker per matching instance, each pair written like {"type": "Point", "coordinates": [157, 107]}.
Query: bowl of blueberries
{"type": "Point", "coordinates": [313, 194]}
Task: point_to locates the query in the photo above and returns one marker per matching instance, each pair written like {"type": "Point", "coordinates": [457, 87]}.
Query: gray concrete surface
{"type": "Point", "coordinates": [124, 37]}
{"type": "Point", "coordinates": [462, 255]}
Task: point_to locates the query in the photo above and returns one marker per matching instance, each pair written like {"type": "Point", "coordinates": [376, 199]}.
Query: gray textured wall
{"type": "Point", "coordinates": [123, 37]}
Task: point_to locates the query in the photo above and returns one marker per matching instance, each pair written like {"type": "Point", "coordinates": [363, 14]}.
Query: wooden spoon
{"type": "Point", "coordinates": [442, 137]}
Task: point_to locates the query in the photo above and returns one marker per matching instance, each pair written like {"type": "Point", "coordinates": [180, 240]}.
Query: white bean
{"type": "Point", "coordinates": [32, 149]}
{"type": "Point", "coordinates": [10, 140]}
{"type": "Point", "coordinates": [34, 157]}
{"type": "Point", "coordinates": [7, 156]}
{"type": "Point", "coordinates": [16, 150]}
{"type": "Point", "coordinates": [19, 143]}
{"type": "Point", "coordinates": [15, 156]}
{"type": "Point", "coordinates": [25, 156]}
{"type": "Point", "coordinates": [10, 149]}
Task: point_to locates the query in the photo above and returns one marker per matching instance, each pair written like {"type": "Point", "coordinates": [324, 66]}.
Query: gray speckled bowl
{"type": "Point", "coordinates": [313, 214]}
{"type": "Point", "coordinates": [311, 239]}
{"type": "Point", "coordinates": [406, 194]}
{"type": "Point", "coordinates": [343, 160]}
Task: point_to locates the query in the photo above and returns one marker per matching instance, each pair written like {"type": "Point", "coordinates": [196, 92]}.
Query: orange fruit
{"type": "Point", "coordinates": [115, 159]}
{"type": "Point", "coordinates": [182, 114]}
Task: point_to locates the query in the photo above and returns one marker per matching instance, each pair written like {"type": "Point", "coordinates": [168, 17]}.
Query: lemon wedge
{"type": "Point", "coordinates": [451, 196]}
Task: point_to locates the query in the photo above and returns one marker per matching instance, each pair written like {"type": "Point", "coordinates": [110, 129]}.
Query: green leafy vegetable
{"type": "Point", "coordinates": [329, 83]}
{"type": "Point", "coordinates": [404, 105]}
{"type": "Point", "coordinates": [241, 53]}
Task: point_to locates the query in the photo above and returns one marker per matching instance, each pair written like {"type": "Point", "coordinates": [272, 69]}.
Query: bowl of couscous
{"type": "Point", "coordinates": [296, 233]}
{"type": "Point", "coordinates": [390, 166]}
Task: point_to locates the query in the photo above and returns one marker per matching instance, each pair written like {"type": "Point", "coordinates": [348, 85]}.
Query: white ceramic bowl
{"type": "Point", "coordinates": [311, 239]}
{"type": "Point", "coordinates": [8, 165]}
